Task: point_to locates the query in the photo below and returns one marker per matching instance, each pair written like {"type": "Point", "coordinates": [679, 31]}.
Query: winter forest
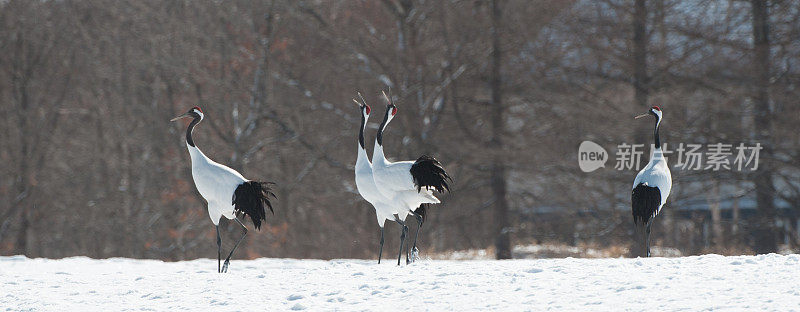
{"type": "Point", "coordinates": [502, 92]}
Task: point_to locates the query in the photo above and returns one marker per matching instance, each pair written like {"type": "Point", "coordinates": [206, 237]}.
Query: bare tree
{"type": "Point", "coordinates": [498, 177]}
{"type": "Point", "coordinates": [500, 91]}
{"type": "Point", "coordinates": [765, 236]}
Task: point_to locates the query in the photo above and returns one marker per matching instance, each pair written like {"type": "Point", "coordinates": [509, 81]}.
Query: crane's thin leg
{"type": "Point", "coordinates": [402, 239]}
{"type": "Point", "coordinates": [408, 246]}
{"type": "Point", "coordinates": [219, 251]}
{"type": "Point", "coordinates": [415, 251]}
{"type": "Point", "coordinates": [647, 235]}
{"type": "Point", "coordinates": [228, 259]}
{"type": "Point", "coordinates": [380, 252]}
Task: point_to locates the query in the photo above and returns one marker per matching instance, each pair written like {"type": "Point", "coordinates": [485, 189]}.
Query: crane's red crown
{"type": "Point", "coordinates": [368, 109]}
{"type": "Point", "coordinates": [197, 108]}
{"type": "Point", "coordinates": [394, 110]}
{"type": "Point", "coordinates": [656, 108]}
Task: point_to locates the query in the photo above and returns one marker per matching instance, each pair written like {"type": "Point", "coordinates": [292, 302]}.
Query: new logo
{"type": "Point", "coordinates": [591, 156]}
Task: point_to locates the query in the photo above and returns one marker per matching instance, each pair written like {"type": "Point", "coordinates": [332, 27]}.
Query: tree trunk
{"type": "Point", "coordinates": [765, 234]}
{"type": "Point", "coordinates": [502, 241]}
{"type": "Point", "coordinates": [735, 217]}
{"type": "Point", "coordinates": [713, 198]}
{"type": "Point", "coordinates": [21, 245]}
{"type": "Point", "coordinates": [640, 53]}
{"type": "Point", "coordinates": [640, 94]}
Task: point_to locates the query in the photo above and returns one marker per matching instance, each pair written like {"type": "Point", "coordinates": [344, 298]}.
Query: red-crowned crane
{"type": "Point", "coordinates": [364, 181]}
{"type": "Point", "coordinates": [227, 192]}
{"type": "Point", "coordinates": [651, 186]}
{"type": "Point", "coordinates": [407, 184]}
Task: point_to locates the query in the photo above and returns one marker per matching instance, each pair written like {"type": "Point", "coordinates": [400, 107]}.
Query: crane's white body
{"type": "Point", "coordinates": [656, 174]}
{"type": "Point", "coordinates": [225, 190]}
{"type": "Point", "coordinates": [216, 183]}
{"type": "Point", "coordinates": [369, 191]}
{"type": "Point", "coordinates": [395, 182]}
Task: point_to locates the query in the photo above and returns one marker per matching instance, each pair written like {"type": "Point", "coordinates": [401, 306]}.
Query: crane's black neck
{"type": "Point", "coordinates": [194, 122]}
{"type": "Point", "coordinates": [383, 125]}
{"type": "Point", "coordinates": [658, 124]}
{"type": "Point", "coordinates": [361, 131]}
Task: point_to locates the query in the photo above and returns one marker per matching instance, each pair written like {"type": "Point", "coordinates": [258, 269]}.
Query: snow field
{"type": "Point", "coordinates": [709, 282]}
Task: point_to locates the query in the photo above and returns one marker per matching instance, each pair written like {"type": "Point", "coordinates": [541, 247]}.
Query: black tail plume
{"type": "Point", "coordinates": [429, 173]}
{"type": "Point", "coordinates": [250, 198]}
{"type": "Point", "coordinates": [644, 203]}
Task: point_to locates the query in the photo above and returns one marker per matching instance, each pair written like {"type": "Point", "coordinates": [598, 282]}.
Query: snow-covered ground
{"type": "Point", "coordinates": [544, 251]}
{"type": "Point", "coordinates": [710, 282]}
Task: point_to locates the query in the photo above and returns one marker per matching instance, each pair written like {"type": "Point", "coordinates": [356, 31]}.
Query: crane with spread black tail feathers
{"type": "Point", "coordinates": [365, 183]}
{"type": "Point", "coordinates": [227, 192]}
{"type": "Point", "coordinates": [651, 186]}
{"type": "Point", "coordinates": [408, 185]}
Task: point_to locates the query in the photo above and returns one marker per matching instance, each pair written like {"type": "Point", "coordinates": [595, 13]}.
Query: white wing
{"type": "Point", "coordinates": [401, 190]}
{"type": "Point", "coordinates": [396, 176]}
{"type": "Point", "coordinates": [395, 182]}
{"type": "Point", "coordinates": [216, 183]}
{"type": "Point", "coordinates": [656, 174]}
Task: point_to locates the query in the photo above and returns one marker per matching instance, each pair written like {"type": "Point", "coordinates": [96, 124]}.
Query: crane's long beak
{"type": "Point", "coordinates": [640, 116]}
{"type": "Point", "coordinates": [388, 101]}
{"type": "Point", "coordinates": [184, 115]}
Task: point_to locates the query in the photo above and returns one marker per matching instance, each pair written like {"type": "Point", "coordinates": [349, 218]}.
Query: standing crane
{"type": "Point", "coordinates": [364, 181]}
{"type": "Point", "coordinates": [651, 186]}
{"type": "Point", "coordinates": [407, 184]}
{"type": "Point", "coordinates": [227, 192]}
